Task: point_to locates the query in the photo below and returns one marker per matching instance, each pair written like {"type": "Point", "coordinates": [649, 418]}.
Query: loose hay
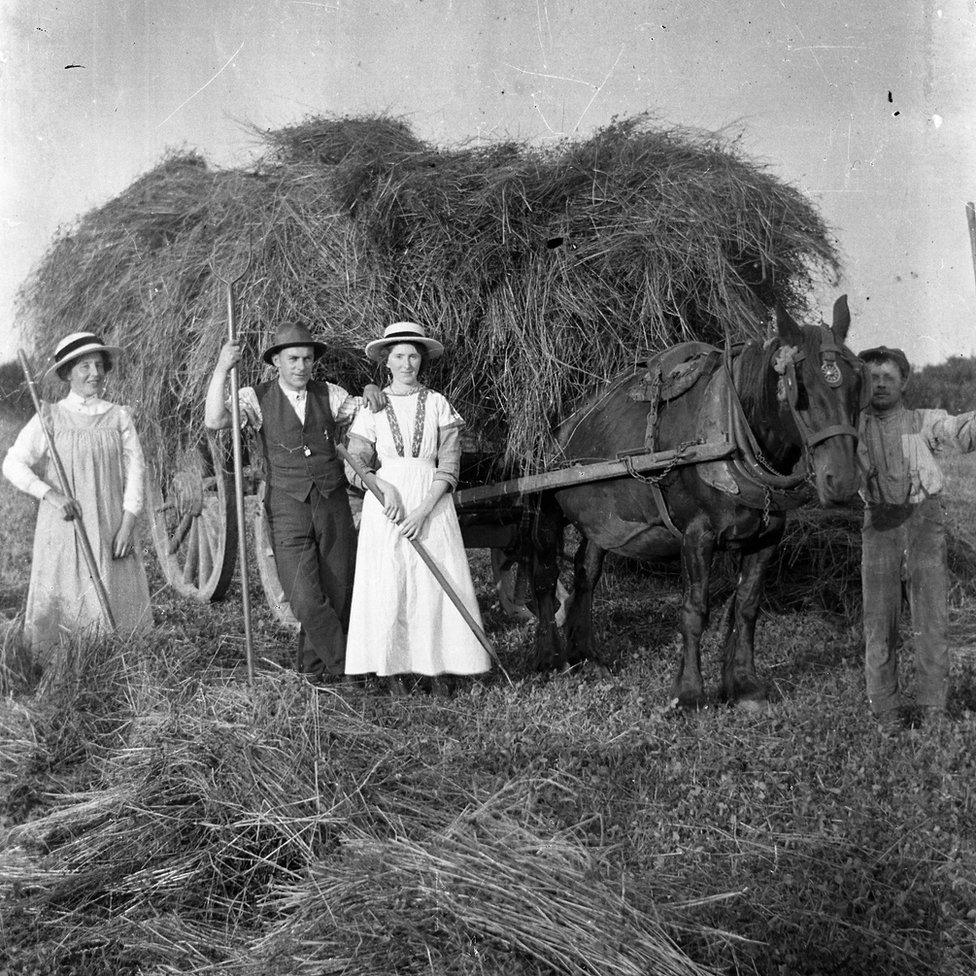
{"type": "Point", "coordinates": [284, 832]}
{"type": "Point", "coordinates": [544, 271]}
{"type": "Point", "coordinates": [487, 887]}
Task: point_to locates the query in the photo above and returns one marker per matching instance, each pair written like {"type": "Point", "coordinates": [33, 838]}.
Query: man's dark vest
{"type": "Point", "coordinates": [299, 456]}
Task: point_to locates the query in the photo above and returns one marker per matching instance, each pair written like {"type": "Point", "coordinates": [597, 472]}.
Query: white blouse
{"type": "Point", "coordinates": [30, 448]}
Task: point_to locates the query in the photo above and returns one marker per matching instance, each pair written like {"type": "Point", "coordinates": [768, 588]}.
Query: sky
{"type": "Point", "coordinates": [868, 108]}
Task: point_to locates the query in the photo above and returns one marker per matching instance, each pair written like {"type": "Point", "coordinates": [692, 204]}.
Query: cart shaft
{"type": "Point", "coordinates": [580, 474]}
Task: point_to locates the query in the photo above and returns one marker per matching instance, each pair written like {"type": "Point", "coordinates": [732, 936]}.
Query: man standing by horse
{"type": "Point", "coordinates": [296, 419]}
{"type": "Point", "coordinates": [903, 537]}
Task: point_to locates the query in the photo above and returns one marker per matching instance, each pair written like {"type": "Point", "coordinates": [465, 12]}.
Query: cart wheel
{"type": "Point", "coordinates": [267, 568]}
{"type": "Point", "coordinates": [504, 569]}
{"type": "Point", "coordinates": [193, 522]}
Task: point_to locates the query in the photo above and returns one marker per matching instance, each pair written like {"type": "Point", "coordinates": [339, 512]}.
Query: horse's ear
{"type": "Point", "coordinates": [842, 320]}
{"type": "Point", "coordinates": [786, 327]}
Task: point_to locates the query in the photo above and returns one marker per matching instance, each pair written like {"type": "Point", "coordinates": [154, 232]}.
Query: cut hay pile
{"type": "Point", "coordinates": [819, 563]}
{"type": "Point", "coordinates": [544, 271]}
{"type": "Point", "coordinates": [287, 832]}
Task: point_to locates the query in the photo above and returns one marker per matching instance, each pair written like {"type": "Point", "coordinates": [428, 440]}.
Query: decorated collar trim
{"type": "Point", "coordinates": [418, 425]}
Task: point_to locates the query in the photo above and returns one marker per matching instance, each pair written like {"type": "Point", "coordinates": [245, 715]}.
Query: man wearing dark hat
{"type": "Point", "coordinates": [903, 537]}
{"type": "Point", "coordinates": [296, 419]}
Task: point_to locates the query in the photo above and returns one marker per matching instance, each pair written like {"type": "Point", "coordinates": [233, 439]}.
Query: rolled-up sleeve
{"type": "Point", "coordinates": [945, 432]}
{"type": "Point", "coordinates": [246, 397]}
{"type": "Point", "coordinates": [449, 425]}
{"type": "Point", "coordinates": [344, 405]}
{"type": "Point", "coordinates": [133, 466]}
{"type": "Point", "coordinates": [448, 456]}
{"type": "Point", "coordinates": [26, 452]}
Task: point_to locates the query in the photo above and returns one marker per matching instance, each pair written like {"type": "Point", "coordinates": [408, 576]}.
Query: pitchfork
{"type": "Point", "coordinates": [229, 266]}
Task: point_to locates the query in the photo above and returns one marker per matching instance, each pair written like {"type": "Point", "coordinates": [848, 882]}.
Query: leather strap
{"type": "Point", "coordinates": [662, 510]}
{"type": "Point", "coordinates": [838, 430]}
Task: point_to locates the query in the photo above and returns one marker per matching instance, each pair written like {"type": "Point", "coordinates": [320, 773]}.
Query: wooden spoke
{"type": "Point", "coordinates": [194, 527]}
{"type": "Point", "coordinates": [180, 534]}
{"type": "Point", "coordinates": [205, 567]}
{"type": "Point", "coordinates": [192, 553]}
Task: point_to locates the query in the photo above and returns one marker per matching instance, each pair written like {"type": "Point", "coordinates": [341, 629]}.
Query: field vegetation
{"type": "Point", "coordinates": [160, 817]}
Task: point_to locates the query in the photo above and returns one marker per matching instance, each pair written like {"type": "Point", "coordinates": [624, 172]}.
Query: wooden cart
{"type": "Point", "coordinates": [194, 528]}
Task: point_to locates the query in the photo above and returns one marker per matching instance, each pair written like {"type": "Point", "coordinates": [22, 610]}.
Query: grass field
{"type": "Point", "coordinates": [159, 818]}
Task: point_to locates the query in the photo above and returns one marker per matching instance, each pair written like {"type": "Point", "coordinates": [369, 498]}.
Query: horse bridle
{"type": "Point", "coordinates": [829, 351]}
{"type": "Point", "coordinates": [788, 357]}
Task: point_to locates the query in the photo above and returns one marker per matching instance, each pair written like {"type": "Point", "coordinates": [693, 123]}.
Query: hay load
{"type": "Point", "coordinates": [544, 270]}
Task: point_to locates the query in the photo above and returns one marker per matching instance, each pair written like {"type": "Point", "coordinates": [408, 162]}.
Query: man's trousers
{"type": "Point", "coordinates": [315, 551]}
{"type": "Point", "coordinates": [904, 549]}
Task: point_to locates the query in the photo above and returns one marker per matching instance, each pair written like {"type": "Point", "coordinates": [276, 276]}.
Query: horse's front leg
{"type": "Point", "coordinates": [587, 567]}
{"type": "Point", "coordinates": [541, 554]}
{"type": "Point", "coordinates": [740, 683]}
{"type": "Point", "coordinates": [697, 547]}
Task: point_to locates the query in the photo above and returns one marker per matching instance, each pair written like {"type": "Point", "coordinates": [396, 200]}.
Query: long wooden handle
{"type": "Point", "coordinates": [86, 549]}
{"type": "Point", "coordinates": [235, 428]}
{"type": "Point", "coordinates": [971, 220]}
{"type": "Point", "coordinates": [429, 562]}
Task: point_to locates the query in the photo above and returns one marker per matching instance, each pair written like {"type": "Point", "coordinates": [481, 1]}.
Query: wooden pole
{"type": "Point", "coordinates": [580, 474]}
{"type": "Point", "coordinates": [82, 535]}
{"type": "Point", "coordinates": [971, 220]}
{"type": "Point", "coordinates": [235, 426]}
{"type": "Point", "coordinates": [428, 560]}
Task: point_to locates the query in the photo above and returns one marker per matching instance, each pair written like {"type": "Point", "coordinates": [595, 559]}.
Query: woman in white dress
{"type": "Point", "coordinates": [103, 460]}
{"type": "Point", "coordinates": [401, 621]}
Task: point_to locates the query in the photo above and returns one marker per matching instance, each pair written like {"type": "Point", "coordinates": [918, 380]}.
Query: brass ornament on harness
{"type": "Point", "coordinates": [831, 373]}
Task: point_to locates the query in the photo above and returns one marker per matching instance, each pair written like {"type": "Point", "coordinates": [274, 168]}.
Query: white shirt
{"type": "Point", "coordinates": [343, 405]}
{"type": "Point", "coordinates": [30, 448]}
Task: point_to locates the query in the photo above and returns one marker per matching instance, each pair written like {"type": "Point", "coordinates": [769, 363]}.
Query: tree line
{"type": "Point", "coordinates": [950, 385]}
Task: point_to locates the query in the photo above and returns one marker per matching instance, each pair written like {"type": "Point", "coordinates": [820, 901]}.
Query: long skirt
{"type": "Point", "coordinates": [401, 620]}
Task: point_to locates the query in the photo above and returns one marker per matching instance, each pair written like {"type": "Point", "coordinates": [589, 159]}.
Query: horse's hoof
{"type": "Point", "coordinates": [686, 701]}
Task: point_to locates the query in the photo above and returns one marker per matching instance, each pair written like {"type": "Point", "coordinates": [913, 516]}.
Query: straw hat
{"type": "Point", "coordinates": [403, 332]}
{"type": "Point", "coordinates": [293, 335]}
{"type": "Point", "coordinates": [79, 344]}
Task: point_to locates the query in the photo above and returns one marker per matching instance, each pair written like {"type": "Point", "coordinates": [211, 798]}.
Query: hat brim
{"type": "Point", "coordinates": [318, 349]}
{"type": "Point", "coordinates": [112, 351]}
{"type": "Point", "coordinates": [376, 349]}
{"type": "Point", "coordinates": [897, 356]}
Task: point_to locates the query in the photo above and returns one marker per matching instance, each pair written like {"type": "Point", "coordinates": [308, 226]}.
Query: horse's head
{"type": "Point", "coordinates": [823, 388]}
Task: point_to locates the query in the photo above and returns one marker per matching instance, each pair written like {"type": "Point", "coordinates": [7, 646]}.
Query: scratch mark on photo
{"type": "Point", "coordinates": [593, 98]}
{"type": "Point", "coordinates": [542, 74]}
{"type": "Point", "coordinates": [535, 105]}
{"type": "Point", "coordinates": [202, 87]}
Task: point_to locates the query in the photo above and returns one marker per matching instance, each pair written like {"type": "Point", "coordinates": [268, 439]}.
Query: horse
{"type": "Point", "coordinates": [785, 413]}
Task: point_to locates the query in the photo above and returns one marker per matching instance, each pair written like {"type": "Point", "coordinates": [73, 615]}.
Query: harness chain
{"type": "Point", "coordinates": [656, 479]}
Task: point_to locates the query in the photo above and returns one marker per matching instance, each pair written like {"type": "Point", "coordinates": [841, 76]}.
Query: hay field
{"type": "Point", "coordinates": [158, 819]}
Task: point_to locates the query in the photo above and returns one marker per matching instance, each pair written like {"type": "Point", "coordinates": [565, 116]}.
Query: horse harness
{"type": "Point", "coordinates": [746, 474]}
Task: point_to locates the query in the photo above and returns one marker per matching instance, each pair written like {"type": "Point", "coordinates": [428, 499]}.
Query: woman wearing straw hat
{"type": "Point", "coordinates": [99, 448]}
{"type": "Point", "coordinates": [401, 620]}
